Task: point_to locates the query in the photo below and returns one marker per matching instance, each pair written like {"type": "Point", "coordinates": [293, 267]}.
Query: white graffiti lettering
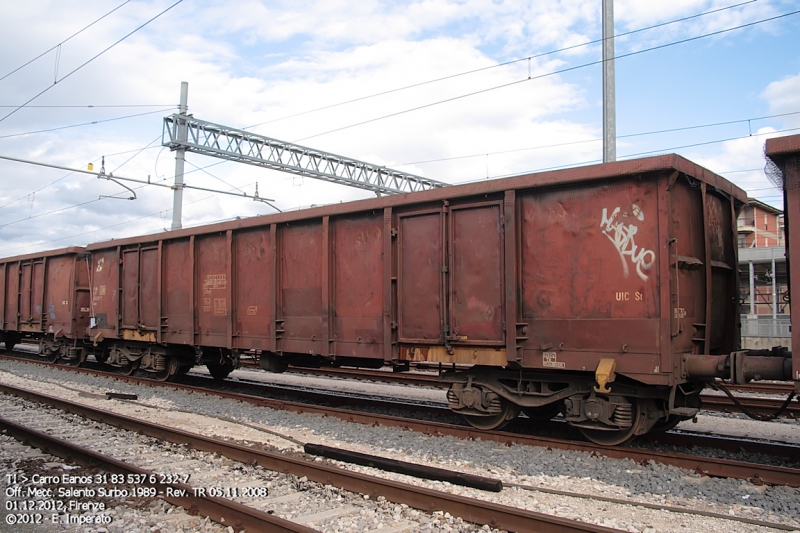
{"type": "Point", "coordinates": [622, 236]}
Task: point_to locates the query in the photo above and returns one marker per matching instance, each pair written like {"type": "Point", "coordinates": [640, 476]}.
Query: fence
{"type": "Point", "coordinates": [766, 327]}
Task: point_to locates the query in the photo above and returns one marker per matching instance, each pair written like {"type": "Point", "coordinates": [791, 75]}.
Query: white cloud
{"type": "Point", "coordinates": [253, 62]}
{"type": "Point", "coordinates": [745, 158]}
{"type": "Point", "coordinates": [783, 96]}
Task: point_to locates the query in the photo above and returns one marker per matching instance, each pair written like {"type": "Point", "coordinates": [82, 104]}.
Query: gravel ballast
{"type": "Point", "coordinates": [514, 465]}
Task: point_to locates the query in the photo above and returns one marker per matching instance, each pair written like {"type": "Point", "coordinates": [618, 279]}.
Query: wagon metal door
{"type": "Point", "coordinates": [476, 269]}
{"type": "Point", "coordinates": [149, 294]}
{"type": "Point", "coordinates": [130, 288]}
{"type": "Point", "coordinates": [301, 280]}
{"type": "Point", "coordinates": [421, 269]}
{"type": "Point", "coordinates": [25, 295]}
{"type": "Point", "coordinates": [37, 293]}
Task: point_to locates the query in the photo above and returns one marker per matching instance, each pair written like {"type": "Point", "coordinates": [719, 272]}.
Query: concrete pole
{"type": "Point", "coordinates": [774, 290]}
{"type": "Point", "coordinates": [752, 290]}
{"type": "Point", "coordinates": [609, 87]}
{"type": "Point", "coordinates": [180, 157]}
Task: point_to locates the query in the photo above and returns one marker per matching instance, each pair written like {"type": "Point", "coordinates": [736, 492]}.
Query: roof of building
{"type": "Point", "coordinates": [766, 207]}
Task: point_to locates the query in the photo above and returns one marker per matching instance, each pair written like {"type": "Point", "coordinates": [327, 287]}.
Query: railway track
{"type": "Point", "coordinates": [578, 500]}
{"type": "Point", "coordinates": [225, 493]}
{"type": "Point", "coordinates": [711, 401]}
{"type": "Point", "coordinates": [718, 467]}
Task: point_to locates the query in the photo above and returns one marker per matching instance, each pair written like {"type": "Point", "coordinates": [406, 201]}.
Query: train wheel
{"type": "Point", "coordinates": [171, 369]}
{"type": "Point", "coordinates": [10, 345]}
{"type": "Point", "coordinates": [130, 368]}
{"type": "Point", "coordinates": [617, 436]}
{"type": "Point", "coordinates": [508, 412]}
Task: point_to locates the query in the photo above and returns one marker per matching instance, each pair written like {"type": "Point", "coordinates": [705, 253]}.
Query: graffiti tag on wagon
{"type": "Point", "coordinates": [622, 235]}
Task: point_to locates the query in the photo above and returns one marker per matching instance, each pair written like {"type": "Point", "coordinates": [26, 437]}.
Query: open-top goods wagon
{"type": "Point", "coordinates": [608, 293]}
{"type": "Point", "coordinates": [46, 296]}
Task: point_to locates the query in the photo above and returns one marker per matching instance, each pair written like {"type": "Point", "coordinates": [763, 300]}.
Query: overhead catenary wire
{"type": "Point", "coordinates": [514, 61]}
{"type": "Point", "coordinates": [498, 65]}
{"type": "Point", "coordinates": [558, 167]}
{"type": "Point", "coordinates": [718, 32]}
{"type": "Point", "coordinates": [123, 223]}
{"type": "Point", "coordinates": [229, 185]}
{"type": "Point", "coordinates": [92, 123]}
{"type": "Point", "coordinates": [116, 179]}
{"type": "Point", "coordinates": [547, 74]}
{"type": "Point", "coordinates": [90, 106]}
{"type": "Point", "coordinates": [90, 60]}
{"type": "Point", "coordinates": [649, 152]}
{"type": "Point", "coordinates": [599, 139]}
{"type": "Point", "coordinates": [688, 40]}
{"type": "Point", "coordinates": [138, 151]}
{"type": "Point", "coordinates": [58, 46]}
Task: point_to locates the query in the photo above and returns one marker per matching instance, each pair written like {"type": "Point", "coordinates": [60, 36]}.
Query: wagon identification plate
{"type": "Point", "coordinates": [549, 360]}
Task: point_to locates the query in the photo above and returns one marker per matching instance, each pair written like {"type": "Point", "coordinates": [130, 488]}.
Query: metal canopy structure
{"type": "Point", "coordinates": [182, 131]}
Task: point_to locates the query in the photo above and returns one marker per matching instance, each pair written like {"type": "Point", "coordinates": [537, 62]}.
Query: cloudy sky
{"type": "Point", "coordinates": [476, 89]}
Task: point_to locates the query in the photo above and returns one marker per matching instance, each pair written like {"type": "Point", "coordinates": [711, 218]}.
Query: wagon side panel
{"type": "Point", "coordinates": [358, 273]}
{"type": "Point", "coordinates": [104, 276]}
{"type": "Point", "coordinates": [11, 302]}
{"type": "Point", "coordinates": [3, 294]}
{"type": "Point", "coordinates": [82, 310]}
{"type": "Point", "coordinates": [300, 284]}
{"type": "Point", "coordinates": [590, 277]}
{"type": "Point", "coordinates": [26, 297]}
{"type": "Point", "coordinates": [177, 309]}
{"type": "Point", "coordinates": [130, 289]}
{"type": "Point", "coordinates": [477, 275]}
{"type": "Point", "coordinates": [253, 292]}
{"type": "Point", "coordinates": [60, 294]}
{"type": "Point", "coordinates": [420, 277]}
{"type": "Point", "coordinates": [212, 301]}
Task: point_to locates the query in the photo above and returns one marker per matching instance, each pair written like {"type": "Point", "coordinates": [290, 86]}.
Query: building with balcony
{"type": "Point", "coordinates": [764, 292]}
{"type": "Point", "coordinates": [760, 226]}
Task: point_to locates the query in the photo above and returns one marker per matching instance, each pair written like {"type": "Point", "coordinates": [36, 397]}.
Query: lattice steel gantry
{"type": "Point", "coordinates": [233, 144]}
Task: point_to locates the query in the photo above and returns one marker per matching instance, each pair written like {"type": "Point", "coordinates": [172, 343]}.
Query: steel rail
{"type": "Point", "coordinates": [711, 402]}
{"type": "Point", "coordinates": [784, 387]}
{"type": "Point", "coordinates": [469, 509]}
{"type": "Point", "coordinates": [705, 465]}
{"type": "Point", "coordinates": [219, 510]}
{"type": "Point", "coordinates": [430, 379]}
{"type": "Point", "coordinates": [763, 406]}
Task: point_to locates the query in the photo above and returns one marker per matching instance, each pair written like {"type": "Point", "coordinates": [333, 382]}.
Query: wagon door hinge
{"type": "Point", "coordinates": [445, 270]}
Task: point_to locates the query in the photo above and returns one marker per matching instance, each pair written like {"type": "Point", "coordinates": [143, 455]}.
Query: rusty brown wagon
{"type": "Point", "coordinates": [608, 293]}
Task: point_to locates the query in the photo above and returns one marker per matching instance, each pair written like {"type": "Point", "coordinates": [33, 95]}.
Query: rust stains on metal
{"type": "Point", "coordinates": [456, 354]}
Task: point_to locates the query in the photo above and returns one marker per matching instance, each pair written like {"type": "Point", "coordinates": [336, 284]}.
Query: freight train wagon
{"type": "Point", "coordinates": [45, 297]}
{"type": "Point", "coordinates": [608, 293]}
